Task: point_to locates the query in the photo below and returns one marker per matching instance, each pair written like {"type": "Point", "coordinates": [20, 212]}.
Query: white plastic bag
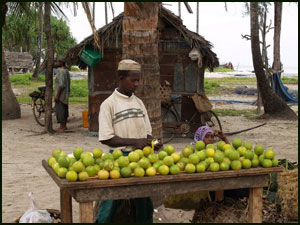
{"type": "Point", "coordinates": [196, 55]}
{"type": "Point", "coordinates": [34, 214]}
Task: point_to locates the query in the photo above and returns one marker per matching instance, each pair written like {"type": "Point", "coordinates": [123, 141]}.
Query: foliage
{"type": "Point", "coordinates": [219, 70]}
{"type": "Point", "coordinates": [79, 88]}
{"type": "Point", "coordinates": [289, 80]}
{"type": "Point", "coordinates": [76, 69]}
{"type": "Point", "coordinates": [25, 79]}
{"type": "Point", "coordinates": [23, 32]}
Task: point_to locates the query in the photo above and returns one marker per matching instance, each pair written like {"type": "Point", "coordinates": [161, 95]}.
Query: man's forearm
{"type": "Point", "coordinates": [118, 141]}
{"type": "Point", "coordinates": [59, 92]}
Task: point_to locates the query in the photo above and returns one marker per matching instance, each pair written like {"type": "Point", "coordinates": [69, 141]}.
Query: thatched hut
{"type": "Point", "coordinates": [175, 43]}
{"type": "Point", "coordinates": [19, 61]}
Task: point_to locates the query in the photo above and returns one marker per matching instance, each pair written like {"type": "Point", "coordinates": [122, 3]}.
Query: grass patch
{"type": "Point", "coordinates": [26, 80]}
{"type": "Point", "coordinates": [235, 112]}
{"type": "Point", "coordinates": [289, 80]}
{"type": "Point", "coordinates": [219, 69]}
{"type": "Point", "coordinates": [212, 87]}
{"type": "Point", "coordinates": [76, 69]}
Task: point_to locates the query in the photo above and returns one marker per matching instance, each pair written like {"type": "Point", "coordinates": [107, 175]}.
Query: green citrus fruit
{"type": "Point", "coordinates": [200, 167]}
{"type": "Point", "coordinates": [247, 145]}
{"type": "Point", "coordinates": [126, 171]}
{"type": "Point", "coordinates": [219, 157]}
{"type": "Point", "coordinates": [220, 144]}
{"type": "Point", "coordinates": [114, 174]}
{"type": "Point", "coordinates": [97, 152]}
{"type": "Point", "coordinates": [133, 156]}
{"type": "Point", "coordinates": [261, 159]}
{"type": "Point", "coordinates": [163, 170]}
{"type": "Point", "coordinates": [162, 155]}
{"type": "Point", "coordinates": [133, 165]}
{"type": "Point", "coordinates": [234, 155]}
{"type": "Point", "coordinates": [201, 154]}
{"type": "Point", "coordinates": [274, 162]}
{"type": "Point", "coordinates": [200, 145]}
{"type": "Point", "coordinates": [210, 152]}
{"type": "Point", "coordinates": [259, 149]}
{"type": "Point", "coordinates": [78, 166]}
{"type": "Point", "coordinates": [255, 163]}
{"type": "Point", "coordinates": [242, 150]}
{"type": "Point", "coordinates": [117, 153]}
{"type": "Point", "coordinates": [88, 161]}
{"type": "Point", "coordinates": [267, 163]}
{"type": "Point", "coordinates": [144, 163]}
{"type": "Point", "coordinates": [107, 156]}
{"type": "Point", "coordinates": [71, 176]}
{"type": "Point", "coordinates": [83, 176]}
{"type": "Point", "coordinates": [236, 165]}
{"type": "Point", "coordinates": [97, 168]}
{"type": "Point", "coordinates": [151, 171]}
{"type": "Point", "coordinates": [169, 149]}
{"type": "Point", "coordinates": [246, 163]}
{"type": "Point", "coordinates": [153, 158]}
{"type": "Point", "coordinates": [226, 146]}
{"type": "Point", "coordinates": [140, 152]}
{"type": "Point", "coordinates": [108, 165]}
{"type": "Point", "coordinates": [211, 146]}
{"type": "Point", "coordinates": [147, 150]}
{"type": "Point", "coordinates": [63, 161]}
{"type": "Point", "coordinates": [194, 159]}
{"type": "Point", "coordinates": [91, 171]}
{"type": "Point", "coordinates": [139, 172]}
{"type": "Point", "coordinates": [269, 154]}
{"type": "Point", "coordinates": [249, 154]}
{"type": "Point", "coordinates": [227, 160]}
{"type": "Point", "coordinates": [187, 151]}
{"type": "Point", "coordinates": [214, 167]}
{"type": "Point", "coordinates": [190, 168]}
{"type": "Point", "coordinates": [51, 160]}
{"type": "Point", "coordinates": [180, 165]}
{"type": "Point", "coordinates": [85, 154]}
{"type": "Point", "coordinates": [176, 157]}
{"type": "Point", "coordinates": [123, 161]}
{"type": "Point", "coordinates": [236, 142]}
{"type": "Point", "coordinates": [62, 171]}
{"type": "Point", "coordinates": [103, 174]}
{"type": "Point", "coordinates": [174, 169]}
{"type": "Point", "coordinates": [224, 166]}
{"type": "Point", "coordinates": [55, 151]}
{"type": "Point", "coordinates": [168, 160]}
{"type": "Point", "coordinates": [60, 154]}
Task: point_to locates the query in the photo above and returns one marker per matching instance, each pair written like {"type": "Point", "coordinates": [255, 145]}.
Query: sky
{"type": "Point", "coordinates": [220, 27]}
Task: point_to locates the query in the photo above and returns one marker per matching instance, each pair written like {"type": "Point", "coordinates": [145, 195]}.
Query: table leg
{"type": "Point", "coordinates": [86, 212]}
{"type": "Point", "coordinates": [219, 196]}
{"type": "Point", "coordinates": [255, 205]}
{"type": "Point", "coordinates": [65, 206]}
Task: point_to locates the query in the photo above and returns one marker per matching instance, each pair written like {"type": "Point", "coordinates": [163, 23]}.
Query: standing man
{"type": "Point", "coordinates": [62, 93]}
{"type": "Point", "coordinates": [124, 124]}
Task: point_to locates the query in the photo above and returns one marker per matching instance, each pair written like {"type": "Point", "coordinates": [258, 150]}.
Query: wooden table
{"type": "Point", "coordinates": [94, 189]}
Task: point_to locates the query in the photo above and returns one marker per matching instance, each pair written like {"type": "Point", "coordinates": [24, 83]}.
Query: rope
{"type": "Point", "coordinates": [95, 33]}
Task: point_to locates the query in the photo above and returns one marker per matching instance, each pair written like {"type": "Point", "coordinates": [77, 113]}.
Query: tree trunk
{"type": "Point", "coordinates": [39, 53]}
{"type": "Point", "coordinates": [10, 106]}
{"type": "Point", "coordinates": [140, 43]}
{"type": "Point", "coordinates": [49, 70]}
{"type": "Point", "coordinates": [274, 106]}
{"type": "Point", "coordinates": [277, 17]}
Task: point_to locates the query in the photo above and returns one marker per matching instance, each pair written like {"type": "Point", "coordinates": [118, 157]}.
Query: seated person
{"type": "Point", "coordinates": [206, 134]}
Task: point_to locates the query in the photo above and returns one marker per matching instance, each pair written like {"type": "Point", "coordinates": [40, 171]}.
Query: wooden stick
{"type": "Point", "coordinates": [86, 212]}
{"type": "Point", "coordinates": [65, 206]}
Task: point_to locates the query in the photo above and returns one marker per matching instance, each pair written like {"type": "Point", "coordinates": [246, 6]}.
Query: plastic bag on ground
{"type": "Point", "coordinates": [34, 214]}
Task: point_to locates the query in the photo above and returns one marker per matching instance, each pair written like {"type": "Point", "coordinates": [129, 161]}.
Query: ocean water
{"type": "Point", "coordinates": [288, 71]}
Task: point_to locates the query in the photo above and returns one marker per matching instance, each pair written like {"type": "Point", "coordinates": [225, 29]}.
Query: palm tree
{"type": "Point", "coordinates": [273, 104]}
{"type": "Point", "coordinates": [10, 106]}
{"type": "Point", "coordinates": [142, 46]}
{"type": "Point", "coordinates": [39, 53]}
{"type": "Point", "coordinates": [277, 18]}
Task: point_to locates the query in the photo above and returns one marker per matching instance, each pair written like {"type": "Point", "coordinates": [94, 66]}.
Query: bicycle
{"type": "Point", "coordinates": [172, 125]}
{"type": "Point", "coordinates": [38, 105]}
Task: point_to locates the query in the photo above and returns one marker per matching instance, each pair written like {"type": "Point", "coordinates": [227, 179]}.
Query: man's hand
{"type": "Point", "coordinates": [221, 135]}
{"type": "Point", "coordinates": [56, 99]}
{"type": "Point", "coordinates": [142, 142]}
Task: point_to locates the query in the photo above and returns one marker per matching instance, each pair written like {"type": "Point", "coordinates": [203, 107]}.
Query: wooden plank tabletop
{"type": "Point", "coordinates": [208, 175]}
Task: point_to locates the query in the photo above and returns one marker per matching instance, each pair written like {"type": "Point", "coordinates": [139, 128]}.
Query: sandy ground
{"type": "Point", "coordinates": [24, 146]}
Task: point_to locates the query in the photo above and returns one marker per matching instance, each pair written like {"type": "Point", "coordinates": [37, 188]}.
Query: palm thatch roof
{"type": "Point", "coordinates": [111, 34]}
{"type": "Point", "coordinates": [19, 60]}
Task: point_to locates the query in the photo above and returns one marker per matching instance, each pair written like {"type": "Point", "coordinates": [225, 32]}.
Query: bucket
{"type": "Point", "coordinates": [85, 118]}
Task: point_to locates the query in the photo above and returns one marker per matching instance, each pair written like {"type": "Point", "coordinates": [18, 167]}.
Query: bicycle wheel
{"type": "Point", "coordinates": [211, 119]}
{"type": "Point", "coordinates": [39, 111]}
{"type": "Point", "coordinates": [167, 116]}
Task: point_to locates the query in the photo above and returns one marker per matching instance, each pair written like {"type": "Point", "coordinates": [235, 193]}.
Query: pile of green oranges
{"type": "Point", "coordinates": [145, 162]}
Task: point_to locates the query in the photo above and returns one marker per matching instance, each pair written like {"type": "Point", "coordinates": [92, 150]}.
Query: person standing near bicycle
{"type": "Point", "coordinates": [124, 124]}
{"type": "Point", "coordinates": [62, 93]}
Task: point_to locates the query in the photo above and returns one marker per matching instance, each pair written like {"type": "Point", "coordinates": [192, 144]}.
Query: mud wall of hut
{"type": "Point", "coordinates": [175, 67]}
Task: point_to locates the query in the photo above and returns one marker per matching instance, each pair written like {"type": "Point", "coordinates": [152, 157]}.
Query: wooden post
{"type": "Point", "coordinates": [255, 205]}
{"type": "Point", "coordinates": [65, 206]}
{"type": "Point", "coordinates": [86, 212]}
{"type": "Point", "coordinates": [219, 196]}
